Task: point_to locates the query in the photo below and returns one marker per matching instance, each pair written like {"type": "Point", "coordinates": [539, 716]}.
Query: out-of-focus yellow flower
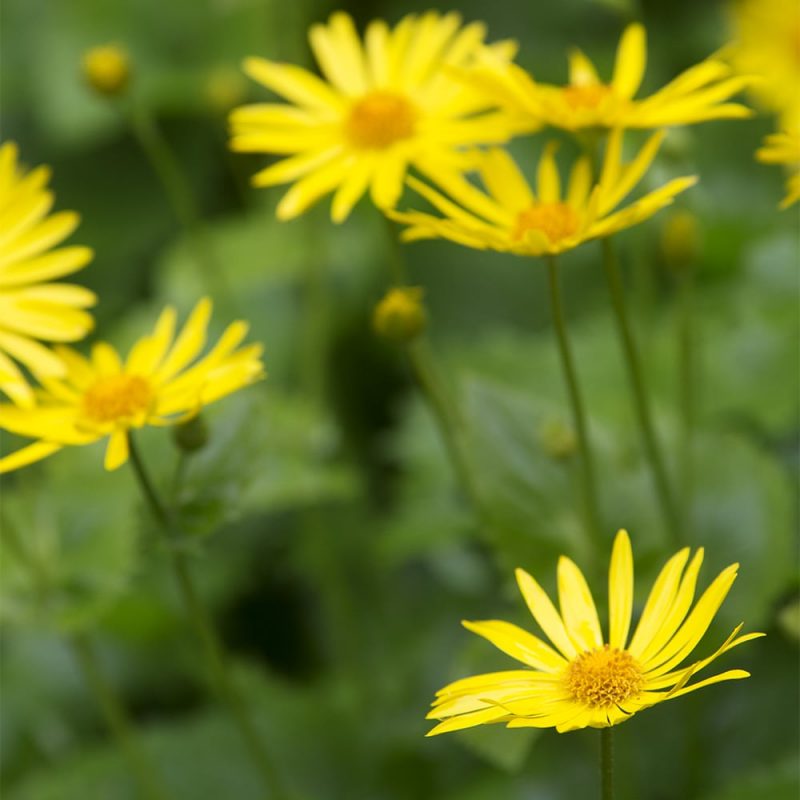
{"type": "Point", "coordinates": [158, 384]}
{"type": "Point", "coordinates": [680, 238]}
{"type": "Point", "coordinates": [696, 95]}
{"type": "Point", "coordinates": [767, 44]}
{"type": "Point", "coordinates": [400, 315]}
{"type": "Point", "coordinates": [107, 69]}
{"type": "Point", "coordinates": [384, 105]}
{"type": "Point", "coordinates": [784, 148]}
{"type": "Point", "coordinates": [584, 680]}
{"type": "Point", "coordinates": [509, 217]}
{"type": "Point", "coordinates": [33, 309]}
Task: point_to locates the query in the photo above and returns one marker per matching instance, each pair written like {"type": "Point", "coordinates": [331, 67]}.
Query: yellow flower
{"type": "Point", "coordinates": [767, 34]}
{"type": "Point", "coordinates": [510, 217]}
{"type": "Point", "coordinates": [696, 95]}
{"type": "Point", "coordinates": [784, 148]}
{"type": "Point", "coordinates": [384, 105]}
{"type": "Point", "coordinates": [107, 69]}
{"type": "Point", "coordinates": [31, 308]}
{"type": "Point", "coordinates": [584, 680]}
{"type": "Point", "coordinates": [156, 385]}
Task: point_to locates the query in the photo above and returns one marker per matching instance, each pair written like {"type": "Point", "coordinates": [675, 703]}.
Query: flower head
{"type": "Point", "coordinates": [696, 95]}
{"type": "Point", "coordinates": [510, 217]}
{"type": "Point", "coordinates": [384, 104]}
{"type": "Point", "coordinates": [400, 315]}
{"type": "Point", "coordinates": [107, 69]}
{"type": "Point", "coordinates": [784, 148]}
{"type": "Point", "coordinates": [32, 309]}
{"type": "Point", "coordinates": [583, 679]}
{"type": "Point", "coordinates": [162, 382]}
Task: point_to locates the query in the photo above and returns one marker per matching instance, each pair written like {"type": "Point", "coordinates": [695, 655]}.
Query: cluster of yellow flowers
{"type": "Point", "coordinates": [428, 95]}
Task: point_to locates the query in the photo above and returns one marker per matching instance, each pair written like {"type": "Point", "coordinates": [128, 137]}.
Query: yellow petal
{"type": "Point", "coordinates": [295, 84]}
{"type": "Point", "coordinates": [518, 643]}
{"type": "Point", "coordinates": [620, 591]}
{"type": "Point", "coordinates": [339, 53]}
{"type": "Point", "coordinates": [27, 455]}
{"type": "Point", "coordinates": [577, 606]}
{"type": "Point", "coordinates": [505, 182]}
{"type": "Point", "coordinates": [630, 62]}
{"type": "Point", "coordinates": [548, 181]}
{"type": "Point", "coordinates": [544, 613]}
{"type": "Point", "coordinates": [307, 191]}
{"type": "Point", "coordinates": [581, 69]}
{"type": "Point", "coordinates": [117, 450]}
{"type": "Point", "coordinates": [189, 343]}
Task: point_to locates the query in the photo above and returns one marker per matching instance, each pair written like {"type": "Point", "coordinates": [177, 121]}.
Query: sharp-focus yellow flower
{"type": "Point", "coordinates": [784, 148]}
{"type": "Point", "coordinates": [583, 679]}
{"type": "Point", "coordinates": [31, 308]}
{"type": "Point", "coordinates": [696, 95]}
{"type": "Point", "coordinates": [767, 34]}
{"type": "Point", "coordinates": [156, 385]}
{"type": "Point", "coordinates": [384, 105]}
{"type": "Point", "coordinates": [510, 217]}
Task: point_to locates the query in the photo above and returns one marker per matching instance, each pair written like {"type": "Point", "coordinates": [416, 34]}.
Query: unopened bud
{"type": "Point", "coordinates": [192, 435]}
{"type": "Point", "coordinates": [558, 439]}
{"type": "Point", "coordinates": [400, 315]}
{"type": "Point", "coordinates": [225, 88]}
{"type": "Point", "coordinates": [107, 69]}
{"type": "Point", "coordinates": [680, 238]}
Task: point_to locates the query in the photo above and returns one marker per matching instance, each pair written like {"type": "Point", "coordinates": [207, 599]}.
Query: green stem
{"type": "Point", "coordinates": [397, 264]}
{"type": "Point", "coordinates": [588, 484]}
{"type": "Point", "coordinates": [180, 197]}
{"type": "Point", "coordinates": [687, 392]}
{"type": "Point", "coordinates": [607, 763]}
{"type": "Point", "coordinates": [212, 645]}
{"type": "Point", "coordinates": [117, 719]}
{"type": "Point", "coordinates": [641, 403]}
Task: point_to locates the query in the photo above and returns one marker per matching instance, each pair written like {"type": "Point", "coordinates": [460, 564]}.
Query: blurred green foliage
{"type": "Point", "coordinates": [325, 527]}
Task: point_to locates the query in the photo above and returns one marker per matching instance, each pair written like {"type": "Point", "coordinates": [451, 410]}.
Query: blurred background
{"type": "Point", "coordinates": [331, 542]}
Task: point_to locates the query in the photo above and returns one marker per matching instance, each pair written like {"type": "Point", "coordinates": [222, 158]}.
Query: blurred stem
{"type": "Point", "coordinates": [179, 196]}
{"type": "Point", "coordinates": [214, 649]}
{"type": "Point", "coordinates": [641, 403]}
{"type": "Point", "coordinates": [607, 763]}
{"type": "Point", "coordinates": [588, 484]}
{"type": "Point", "coordinates": [315, 300]}
{"type": "Point", "coordinates": [687, 389]}
{"type": "Point", "coordinates": [117, 719]}
{"type": "Point", "coordinates": [397, 264]}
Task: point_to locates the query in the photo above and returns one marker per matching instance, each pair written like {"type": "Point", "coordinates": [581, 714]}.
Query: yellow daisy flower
{"type": "Point", "coordinates": [584, 680]}
{"type": "Point", "coordinates": [156, 385]}
{"type": "Point", "coordinates": [767, 44]}
{"type": "Point", "coordinates": [32, 309]}
{"type": "Point", "coordinates": [784, 148]}
{"type": "Point", "coordinates": [696, 95]}
{"type": "Point", "coordinates": [384, 104]}
{"type": "Point", "coordinates": [509, 217]}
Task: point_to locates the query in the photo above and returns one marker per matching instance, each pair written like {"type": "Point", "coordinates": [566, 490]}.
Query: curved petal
{"type": "Point", "coordinates": [518, 643]}
{"type": "Point", "coordinates": [545, 614]}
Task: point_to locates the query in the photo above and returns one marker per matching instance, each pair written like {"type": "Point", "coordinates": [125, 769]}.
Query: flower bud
{"type": "Point", "coordinates": [558, 439]}
{"type": "Point", "coordinates": [400, 315]}
{"type": "Point", "coordinates": [192, 435]}
{"type": "Point", "coordinates": [225, 88]}
{"type": "Point", "coordinates": [680, 238]}
{"type": "Point", "coordinates": [106, 69]}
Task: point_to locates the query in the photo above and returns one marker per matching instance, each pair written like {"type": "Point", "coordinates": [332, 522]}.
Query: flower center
{"type": "Point", "coordinates": [117, 397]}
{"type": "Point", "coordinates": [587, 95]}
{"type": "Point", "coordinates": [379, 119]}
{"type": "Point", "coordinates": [556, 221]}
{"type": "Point", "coordinates": [603, 678]}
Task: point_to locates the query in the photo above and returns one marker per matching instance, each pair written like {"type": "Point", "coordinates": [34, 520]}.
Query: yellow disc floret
{"type": "Point", "coordinates": [118, 397]}
{"type": "Point", "coordinates": [557, 221]}
{"type": "Point", "coordinates": [603, 678]}
{"type": "Point", "coordinates": [379, 119]}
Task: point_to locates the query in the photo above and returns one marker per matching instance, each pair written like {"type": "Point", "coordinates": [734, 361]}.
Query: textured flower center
{"type": "Point", "coordinates": [556, 221]}
{"type": "Point", "coordinates": [117, 397]}
{"type": "Point", "coordinates": [603, 678]}
{"type": "Point", "coordinates": [587, 95]}
{"type": "Point", "coordinates": [380, 119]}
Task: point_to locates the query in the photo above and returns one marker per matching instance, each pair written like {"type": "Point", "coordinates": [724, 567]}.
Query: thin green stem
{"type": "Point", "coordinates": [397, 264]}
{"type": "Point", "coordinates": [607, 763]}
{"type": "Point", "coordinates": [587, 473]}
{"type": "Point", "coordinates": [214, 650]}
{"type": "Point", "coordinates": [641, 403]}
{"type": "Point", "coordinates": [179, 196]}
{"type": "Point", "coordinates": [687, 391]}
{"type": "Point", "coordinates": [117, 719]}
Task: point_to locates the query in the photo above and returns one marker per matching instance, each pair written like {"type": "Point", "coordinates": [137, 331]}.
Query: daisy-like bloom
{"type": "Point", "coordinates": [510, 217]}
{"type": "Point", "coordinates": [784, 148]}
{"type": "Point", "coordinates": [767, 44]}
{"type": "Point", "coordinates": [162, 382]}
{"type": "Point", "coordinates": [583, 680]}
{"type": "Point", "coordinates": [696, 95]}
{"type": "Point", "coordinates": [384, 104]}
{"type": "Point", "coordinates": [32, 309]}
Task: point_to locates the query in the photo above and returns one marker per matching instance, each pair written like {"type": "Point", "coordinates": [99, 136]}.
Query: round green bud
{"type": "Point", "coordinates": [400, 315]}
